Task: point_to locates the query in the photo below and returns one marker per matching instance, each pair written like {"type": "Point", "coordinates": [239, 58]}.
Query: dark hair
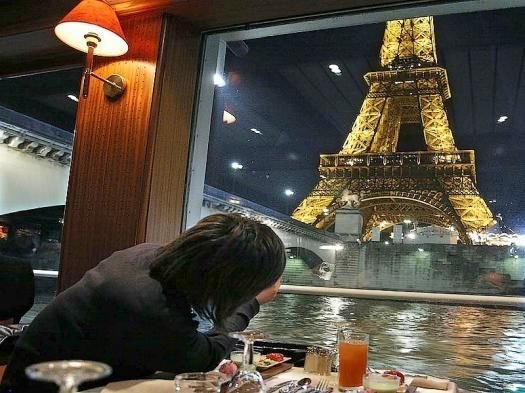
{"type": "Point", "coordinates": [222, 262]}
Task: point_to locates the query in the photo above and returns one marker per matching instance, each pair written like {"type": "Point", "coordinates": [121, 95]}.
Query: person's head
{"type": "Point", "coordinates": [220, 263]}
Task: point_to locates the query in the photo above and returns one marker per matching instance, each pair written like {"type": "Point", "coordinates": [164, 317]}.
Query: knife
{"type": "Point", "coordinates": [282, 385]}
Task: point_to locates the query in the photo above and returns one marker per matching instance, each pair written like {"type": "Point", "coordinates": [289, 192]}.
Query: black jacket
{"type": "Point", "coordinates": [119, 315]}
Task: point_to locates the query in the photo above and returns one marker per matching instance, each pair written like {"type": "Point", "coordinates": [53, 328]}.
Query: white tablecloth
{"type": "Point", "coordinates": [167, 386]}
{"type": "Point", "coordinates": [298, 373]}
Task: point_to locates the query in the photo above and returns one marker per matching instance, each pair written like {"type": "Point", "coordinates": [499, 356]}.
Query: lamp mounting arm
{"type": "Point", "coordinates": [114, 85]}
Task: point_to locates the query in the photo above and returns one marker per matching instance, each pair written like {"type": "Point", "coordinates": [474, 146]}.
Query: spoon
{"type": "Point", "coordinates": [290, 386]}
{"type": "Point", "coordinates": [302, 383]}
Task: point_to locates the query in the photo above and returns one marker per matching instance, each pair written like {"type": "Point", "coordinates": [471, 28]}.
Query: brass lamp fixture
{"type": "Point", "coordinates": [93, 27]}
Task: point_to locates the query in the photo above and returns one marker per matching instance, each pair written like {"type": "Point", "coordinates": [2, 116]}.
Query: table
{"type": "Point", "coordinates": [167, 386]}
{"type": "Point", "coordinates": [298, 373]}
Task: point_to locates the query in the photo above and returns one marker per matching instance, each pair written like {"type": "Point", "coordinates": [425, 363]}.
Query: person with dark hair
{"type": "Point", "coordinates": [137, 310]}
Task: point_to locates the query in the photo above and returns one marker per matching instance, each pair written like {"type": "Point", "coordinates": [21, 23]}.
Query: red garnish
{"type": "Point", "coordinates": [275, 356]}
{"type": "Point", "coordinates": [398, 373]}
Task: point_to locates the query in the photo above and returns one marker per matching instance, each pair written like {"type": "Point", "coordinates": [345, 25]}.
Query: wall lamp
{"type": "Point", "coordinates": [93, 27]}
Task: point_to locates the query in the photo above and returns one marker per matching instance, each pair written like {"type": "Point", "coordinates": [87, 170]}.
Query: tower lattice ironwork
{"type": "Point", "coordinates": [436, 186]}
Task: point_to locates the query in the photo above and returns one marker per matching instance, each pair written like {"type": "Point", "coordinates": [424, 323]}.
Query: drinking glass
{"type": "Point", "coordinates": [353, 358]}
{"type": "Point", "coordinates": [209, 382]}
{"type": "Point", "coordinates": [68, 374]}
{"type": "Point", "coordinates": [381, 383]}
{"type": "Point", "coordinates": [237, 357]}
{"type": "Point", "coordinates": [248, 379]}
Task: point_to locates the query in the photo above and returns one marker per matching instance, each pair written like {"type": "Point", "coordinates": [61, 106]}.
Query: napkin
{"type": "Point", "coordinates": [428, 383]}
{"type": "Point", "coordinates": [141, 386]}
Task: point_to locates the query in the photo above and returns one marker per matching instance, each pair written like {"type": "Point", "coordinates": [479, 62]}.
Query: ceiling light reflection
{"type": "Point", "coordinates": [334, 68]}
{"type": "Point", "coordinates": [218, 80]}
{"type": "Point", "coordinates": [228, 118]}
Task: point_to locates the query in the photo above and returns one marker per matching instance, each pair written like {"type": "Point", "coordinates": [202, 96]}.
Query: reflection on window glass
{"type": "Point", "coordinates": [37, 116]}
{"type": "Point", "coordinates": [398, 142]}
{"type": "Point", "coordinates": [389, 157]}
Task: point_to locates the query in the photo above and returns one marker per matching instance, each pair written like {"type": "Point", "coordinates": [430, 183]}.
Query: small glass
{"type": "Point", "coordinates": [209, 382]}
{"type": "Point", "coordinates": [353, 358]}
{"type": "Point", "coordinates": [68, 374]}
{"type": "Point", "coordinates": [381, 383]}
{"type": "Point", "coordinates": [236, 357]}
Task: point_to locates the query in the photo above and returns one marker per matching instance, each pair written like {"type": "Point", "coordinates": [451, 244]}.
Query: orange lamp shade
{"type": "Point", "coordinates": [93, 17]}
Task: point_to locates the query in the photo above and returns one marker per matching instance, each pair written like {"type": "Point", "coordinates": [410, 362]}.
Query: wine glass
{"type": "Point", "coordinates": [68, 374]}
{"type": "Point", "coordinates": [248, 379]}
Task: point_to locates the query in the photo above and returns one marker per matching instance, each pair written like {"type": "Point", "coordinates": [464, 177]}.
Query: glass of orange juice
{"type": "Point", "coordinates": [353, 357]}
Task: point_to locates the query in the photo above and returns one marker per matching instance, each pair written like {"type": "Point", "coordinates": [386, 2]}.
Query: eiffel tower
{"type": "Point", "coordinates": [436, 186]}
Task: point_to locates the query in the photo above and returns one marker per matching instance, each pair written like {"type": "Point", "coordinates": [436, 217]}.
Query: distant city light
{"type": "Point", "coordinates": [420, 250]}
{"type": "Point", "coordinates": [334, 68]}
{"type": "Point", "coordinates": [228, 118]}
{"type": "Point", "coordinates": [235, 165]}
{"type": "Point", "coordinates": [72, 97]}
{"type": "Point", "coordinates": [411, 235]}
{"type": "Point", "coordinates": [407, 221]}
{"type": "Point", "coordinates": [502, 119]}
{"type": "Point", "coordinates": [255, 130]}
{"type": "Point", "coordinates": [387, 243]}
{"type": "Point", "coordinates": [218, 80]}
{"type": "Point", "coordinates": [288, 192]}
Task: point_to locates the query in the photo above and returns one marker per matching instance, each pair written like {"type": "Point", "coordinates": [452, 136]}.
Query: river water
{"type": "Point", "coordinates": [481, 349]}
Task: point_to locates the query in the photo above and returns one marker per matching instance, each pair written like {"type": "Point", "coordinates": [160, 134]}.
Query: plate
{"type": "Point", "coordinates": [266, 365]}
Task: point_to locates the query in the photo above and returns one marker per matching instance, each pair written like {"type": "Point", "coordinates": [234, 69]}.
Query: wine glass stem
{"type": "Point", "coordinates": [68, 388]}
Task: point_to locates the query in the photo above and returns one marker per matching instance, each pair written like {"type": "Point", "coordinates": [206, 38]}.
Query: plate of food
{"type": "Point", "coordinates": [270, 360]}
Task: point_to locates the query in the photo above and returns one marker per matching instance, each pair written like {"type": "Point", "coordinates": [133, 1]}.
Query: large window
{"type": "Point", "coordinates": [386, 149]}
{"type": "Point", "coordinates": [37, 119]}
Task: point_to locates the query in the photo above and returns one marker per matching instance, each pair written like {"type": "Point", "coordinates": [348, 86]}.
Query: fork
{"type": "Point", "coordinates": [322, 385]}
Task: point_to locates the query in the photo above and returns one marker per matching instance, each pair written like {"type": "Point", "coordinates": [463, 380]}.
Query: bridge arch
{"type": "Point", "coordinates": [394, 207]}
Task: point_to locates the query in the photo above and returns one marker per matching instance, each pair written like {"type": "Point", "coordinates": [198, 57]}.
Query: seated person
{"type": "Point", "coordinates": [137, 310]}
{"type": "Point", "coordinates": [17, 289]}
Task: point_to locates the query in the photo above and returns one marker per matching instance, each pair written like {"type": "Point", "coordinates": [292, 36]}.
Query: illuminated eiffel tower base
{"type": "Point", "coordinates": [436, 186]}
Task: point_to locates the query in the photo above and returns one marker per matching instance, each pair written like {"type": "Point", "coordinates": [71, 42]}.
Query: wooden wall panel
{"type": "Point", "coordinates": [170, 130]}
{"type": "Point", "coordinates": [109, 167]}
